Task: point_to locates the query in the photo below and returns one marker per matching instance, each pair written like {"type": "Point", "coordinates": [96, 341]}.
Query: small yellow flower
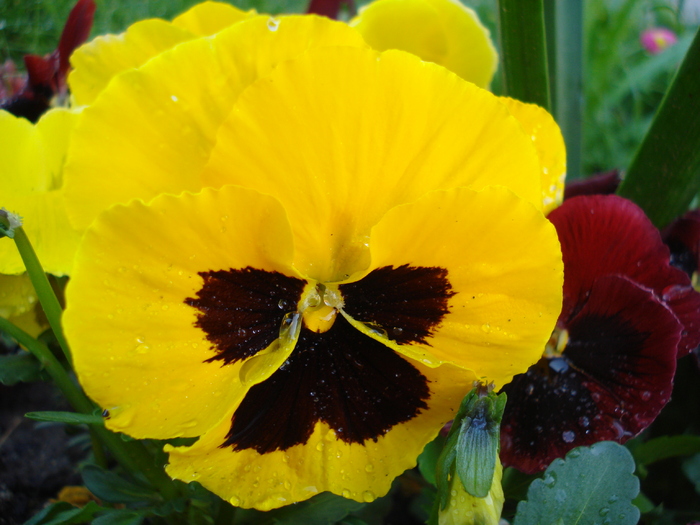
{"type": "Point", "coordinates": [31, 185]}
{"type": "Point", "coordinates": [441, 31]}
{"type": "Point", "coordinates": [465, 509]}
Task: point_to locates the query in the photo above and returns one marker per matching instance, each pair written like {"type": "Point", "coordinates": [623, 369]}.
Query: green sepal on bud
{"type": "Point", "coordinates": [469, 459]}
{"type": "Point", "coordinates": [8, 223]}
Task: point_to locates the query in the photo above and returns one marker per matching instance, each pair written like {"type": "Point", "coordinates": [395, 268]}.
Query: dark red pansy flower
{"type": "Point", "coordinates": [627, 316]}
{"type": "Point", "coordinates": [329, 8]}
{"type": "Point", "coordinates": [683, 239]}
{"type": "Point", "coordinates": [604, 183]}
{"type": "Point", "coordinates": [46, 76]}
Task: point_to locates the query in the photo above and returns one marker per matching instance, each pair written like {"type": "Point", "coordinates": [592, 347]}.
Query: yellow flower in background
{"type": "Point", "coordinates": [18, 304]}
{"type": "Point", "coordinates": [31, 185]}
{"type": "Point", "coordinates": [441, 31]}
{"type": "Point", "coordinates": [97, 62]}
{"type": "Point", "coordinates": [369, 241]}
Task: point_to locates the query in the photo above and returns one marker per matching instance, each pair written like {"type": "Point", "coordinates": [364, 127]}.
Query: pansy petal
{"type": "Point", "coordinates": [503, 264]}
{"type": "Point", "coordinates": [441, 31]}
{"type": "Point", "coordinates": [100, 60]}
{"type": "Point", "coordinates": [631, 246]}
{"type": "Point", "coordinates": [30, 186]}
{"type": "Point", "coordinates": [613, 378]}
{"type": "Point", "coordinates": [359, 471]}
{"type": "Point", "coordinates": [138, 343]}
{"type": "Point", "coordinates": [683, 239]}
{"type": "Point", "coordinates": [152, 129]}
{"type": "Point", "coordinates": [549, 143]}
{"type": "Point", "coordinates": [378, 130]}
{"type": "Point", "coordinates": [208, 18]}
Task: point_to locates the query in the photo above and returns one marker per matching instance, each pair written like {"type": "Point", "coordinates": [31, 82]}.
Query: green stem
{"type": "Point", "coordinates": [524, 51]}
{"type": "Point", "coordinates": [47, 297]}
{"type": "Point", "coordinates": [132, 455]}
{"type": "Point", "coordinates": [664, 175]}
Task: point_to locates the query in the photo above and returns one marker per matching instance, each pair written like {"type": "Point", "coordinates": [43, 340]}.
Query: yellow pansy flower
{"type": "Point", "coordinates": [465, 509]}
{"type": "Point", "coordinates": [369, 241]}
{"type": "Point", "coordinates": [441, 31]}
{"type": "Point", "coordinates": [31, 185]}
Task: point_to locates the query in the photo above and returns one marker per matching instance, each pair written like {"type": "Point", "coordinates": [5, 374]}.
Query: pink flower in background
{"type": "Point", "coordinates": [657, 39]}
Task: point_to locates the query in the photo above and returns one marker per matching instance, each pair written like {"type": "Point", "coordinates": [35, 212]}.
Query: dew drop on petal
{"type": "Point", "coordinates": [346, 493]}
{"type": "Point", "coordinates": [568, 436]}
{"type": "Point", "coordinates": [604, 511]}
{"type": "Point", "coordinates": [369, 467]}
{"type": "Point", "coordinates": [273, 24]}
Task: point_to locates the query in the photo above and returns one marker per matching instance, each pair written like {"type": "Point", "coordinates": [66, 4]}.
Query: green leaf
{"type": "Point", "coordinates": [110, 487]}
{"type": "Point", "coordinates": [72, 418]}
{"type": "Point", "coordinates": [120, 517]}
{"type": "Point", "coordinates": [323, 509]}
{"type": "Point", "coordinates": [666, 447]}
{"type": "Point", "coordinates": [18, 368]}
{"type": "Point", "coordinates": [524, 50]}
{"type": "Point", "coordinates": [664, 176]}
{"type": "Point", "coordinates": [591, 485]}
{"type": "Point", "coordinates": [63, 513]}
{"type": "Point", "coordinates": [691, 469]}
{"type": "Point", "coordinates": [427, 461]}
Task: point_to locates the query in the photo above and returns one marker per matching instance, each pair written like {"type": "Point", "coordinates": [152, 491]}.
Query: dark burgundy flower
{"type": "Point", "coordinates": [329, 8]}
{"type": "Point", "coordinates": [604, 183]}
{"type": "Point", "coordinates": [627, 316]}
{"type": "Point", "coordinates": [46, 76]}
{"type": "Point", "coordinates": [683, 239]}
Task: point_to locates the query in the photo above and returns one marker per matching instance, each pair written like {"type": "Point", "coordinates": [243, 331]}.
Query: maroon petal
{"type": "Point", "coordinates": [329, 8]}
{"type": "Point", "coordinates": [75, 32]}
{"type": "Point", "coordinates": [683, 239]}
{"type": "Point", "coordinates": [613, 378]}
{"type": "Point", "coordinates": [599, 184]}
{"type": "Point", "coordinates": [608, 235]}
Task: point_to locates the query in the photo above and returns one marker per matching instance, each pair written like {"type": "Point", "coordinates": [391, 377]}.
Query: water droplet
{"type": "Point", "coordinates": [646, 396]}
{"type": "Point", "coordinates": [486, 327]}
{"type": "Point", "coordinates": [320, 446]}
{"type": "Point", "coordinates": [558, 364]}
{"type": "Point", "coordinates": [613, 499]}
{"type": "Point", "coordinates": [368, 496]}
{"type": "Point", "coordinates": [273, 24]}
{"type": "Point", "coordinates": [369, 467]}
{"type": "Point", "coordinates": [568, 436]}
{"type": "Point", "coordinates": [165, 306]}
{"type": "Point", "coordinates": [346, 493]}
{"type": "Point", "coordinates": [604, 511]}
{"type": "Point", "coordinates": [283, 304]}
{"type": "Point", "coordinates": [174, 98]}
{"type": "Point", "coordinates": [287, 485]}
{"type": "Point", "coordinates": [549, 480]}
{"type": "Point", "coordinates": [233, 500]}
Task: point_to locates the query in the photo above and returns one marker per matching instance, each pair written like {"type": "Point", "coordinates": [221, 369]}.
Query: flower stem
{"type": "Point", "coordinates": [524, 51]}
{"type": "Point", "coordinates": [131, 455]}
{"type": "Point", "coordinates": [47, 297]}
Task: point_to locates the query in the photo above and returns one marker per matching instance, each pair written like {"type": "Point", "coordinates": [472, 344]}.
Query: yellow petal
{"type": "Point", "coordinates": [503, 262]}
{"type": "Point", "coordinates": [136, 346]}
{"type": "Point", "coordinates": [441, 31]}
{"type": "Point", "coordinates": [361, 472]}
{"type": "Point", "coordinates": [208, 18]}
{"type": "Point", "coordinates": [31, 171]}
{"type": "Point", "coordinates": [340, 136]}
{"type": "Point", "coordinates": [152, 129]}
{"type": "Point", "coordinates": [100, 60]}
{"type": "Point", "coordinates": [549, 143]}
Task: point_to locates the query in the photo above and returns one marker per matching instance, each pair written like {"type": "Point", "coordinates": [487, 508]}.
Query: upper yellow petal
{"type": "Point", "coordinates": [100, 60]}
{"type": "Point", "coordinates": [341, 135]}
{"type": "Point", "coordinates": [208, 18]}
{"type": "Point", "coordinates": [152, 129]}
{"type": "Point", "coordinates": [549, 143]}
{"type": "Point", "coordinates": [441, 31]}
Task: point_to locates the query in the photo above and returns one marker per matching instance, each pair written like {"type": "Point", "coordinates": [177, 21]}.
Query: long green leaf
{"type": "Point", "coordinates": [524, 51]}
{"type": "Point", "coordinates": [665, 173]}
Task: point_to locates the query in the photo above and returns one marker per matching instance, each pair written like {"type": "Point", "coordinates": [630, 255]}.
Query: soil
{"type": "Point", "coordinates": [36, 459]}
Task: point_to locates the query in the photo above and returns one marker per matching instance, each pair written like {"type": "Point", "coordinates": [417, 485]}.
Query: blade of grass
{"type": "Point", "coordinates": [664, 175]}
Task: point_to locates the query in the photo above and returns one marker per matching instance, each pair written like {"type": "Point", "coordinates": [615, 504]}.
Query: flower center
{"type": "Point", "coordinates": [319, 307]}
{"type": "Point", "coordinates": [557, 343]}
